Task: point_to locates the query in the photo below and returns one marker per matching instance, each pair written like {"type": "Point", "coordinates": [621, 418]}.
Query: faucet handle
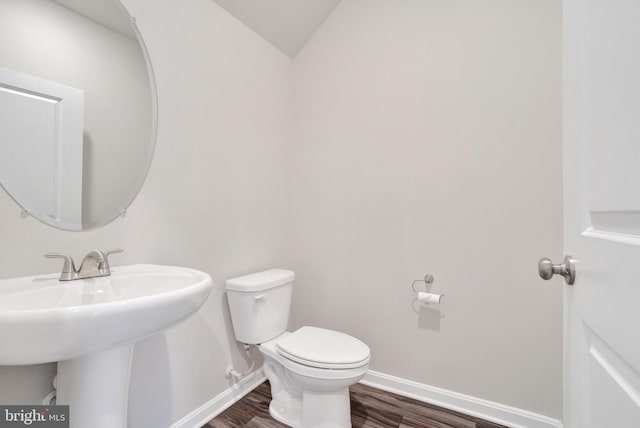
{"type": "Point", "coordinates": [106, 254]}
{"type": "Point", "coordinates": [69, 267]}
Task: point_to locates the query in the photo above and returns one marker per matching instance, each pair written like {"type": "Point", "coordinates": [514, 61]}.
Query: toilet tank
{"type": "Point", "coordinates": [259, 304]}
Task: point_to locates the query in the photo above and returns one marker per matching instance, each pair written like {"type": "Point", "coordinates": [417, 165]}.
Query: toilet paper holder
{"type": "Point", "coordinates": [427, 280]}
{"type": "Point", "coordinates": [426, 297]}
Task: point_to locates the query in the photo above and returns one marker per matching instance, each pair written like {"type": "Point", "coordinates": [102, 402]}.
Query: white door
{"type": "Point", "coordinates": [41, 138]}
{"type": "Point", "coordinates": [601, 160]}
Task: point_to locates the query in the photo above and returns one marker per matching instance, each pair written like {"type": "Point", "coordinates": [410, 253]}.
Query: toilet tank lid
{"type": "Point", "coordinates": [261, 280]}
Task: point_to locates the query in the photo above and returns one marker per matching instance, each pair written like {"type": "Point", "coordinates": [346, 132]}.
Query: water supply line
{"type": "Point", "coordinates": [50, 398]}
{"type": "Point", "coordinates": [233, 373]}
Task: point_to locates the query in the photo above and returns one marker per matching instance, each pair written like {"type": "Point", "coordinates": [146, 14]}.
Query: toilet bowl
{"type": "Point", "coordinates": [310, 370]}
{"type": "Point", "coordinates": [313, 391]}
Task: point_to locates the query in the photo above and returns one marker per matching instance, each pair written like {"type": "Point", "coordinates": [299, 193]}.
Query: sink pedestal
{"type": "Point", "coordinates": [96, 388]}
{"type": "Point", "coordinates": [89, 327]}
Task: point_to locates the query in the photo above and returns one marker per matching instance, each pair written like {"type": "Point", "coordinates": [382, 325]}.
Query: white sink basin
{"type": "Point", "coordinates": [89, 326]}
{"type": "Point", "coordinates": [45, 320]}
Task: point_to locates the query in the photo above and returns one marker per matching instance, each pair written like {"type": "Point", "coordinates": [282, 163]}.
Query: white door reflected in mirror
{"type": "Point", "coordinates": [41, 125]}
{"type": "Point", "coordinates": [91, 46]}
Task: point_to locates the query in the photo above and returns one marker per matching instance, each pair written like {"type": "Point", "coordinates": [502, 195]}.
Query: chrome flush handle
{"type": "Point", "coordinates": [567, 269]}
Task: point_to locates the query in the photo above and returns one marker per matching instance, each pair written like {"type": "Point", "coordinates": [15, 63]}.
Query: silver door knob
{"type": "Point", "coordinates": [567, 269]}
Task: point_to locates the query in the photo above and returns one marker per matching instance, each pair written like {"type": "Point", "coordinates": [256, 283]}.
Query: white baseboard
{"type": "Point", "coordinates": [488, 410]}
{"type": "Point", "coordinates": [221, 402]}
{"type": "Point", "coordinates": [484, 409]}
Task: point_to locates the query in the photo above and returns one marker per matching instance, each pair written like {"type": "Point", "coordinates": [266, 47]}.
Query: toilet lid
{"type": "Point", "coordinates": [319, 347]}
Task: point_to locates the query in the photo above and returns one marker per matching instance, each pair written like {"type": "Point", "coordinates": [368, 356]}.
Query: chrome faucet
{"type": "Point", "coordinates": [94, 264]}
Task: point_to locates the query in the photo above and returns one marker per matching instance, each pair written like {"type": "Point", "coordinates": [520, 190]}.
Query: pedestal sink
{"type": "Point", "coordinates": [89, 327]}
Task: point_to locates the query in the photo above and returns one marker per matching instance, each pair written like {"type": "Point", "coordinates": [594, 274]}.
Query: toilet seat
{"type": "Point", "coordinates": [323, 349]}
{"type": "Point", "coordinates": [269, 349]}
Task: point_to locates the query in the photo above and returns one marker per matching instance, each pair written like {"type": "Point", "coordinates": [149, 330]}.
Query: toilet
{"type": "Point", "coordinates": [310, 369]}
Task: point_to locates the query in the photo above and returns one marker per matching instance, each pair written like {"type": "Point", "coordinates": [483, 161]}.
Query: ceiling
{"type": "Point", "coordinates": [111, 14]}
{"type": "Point", "coordinates": [286, 24]}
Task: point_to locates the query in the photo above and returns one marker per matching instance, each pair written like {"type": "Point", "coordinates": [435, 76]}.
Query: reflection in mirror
{"type": "Point", "coordinates": [77, 110]}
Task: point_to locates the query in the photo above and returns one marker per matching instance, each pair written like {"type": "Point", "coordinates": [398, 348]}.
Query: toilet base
{"type": "Point", "coordinates": [301, 401]}
{"type": "Point", "coordinates": [326, 410]}
{"type": "Point", "coordinates": [288, 416]}
{"type": "Point", "coordinates": [319, 410]}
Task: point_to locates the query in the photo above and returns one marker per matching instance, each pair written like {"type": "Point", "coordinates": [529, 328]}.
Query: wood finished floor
{"type": "Point", "coordinates": [370, 408]}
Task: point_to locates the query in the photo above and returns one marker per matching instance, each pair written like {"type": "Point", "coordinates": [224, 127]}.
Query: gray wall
{"type": "Point", "coordinates": [429, 141]}
{"type": "Point", "coordinates": [214, 199]}
{"type": "Point", "coordinates": [418, 132]}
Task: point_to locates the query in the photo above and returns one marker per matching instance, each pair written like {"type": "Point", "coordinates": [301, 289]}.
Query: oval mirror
{"type": "Point", "coordinates": [77, 110]}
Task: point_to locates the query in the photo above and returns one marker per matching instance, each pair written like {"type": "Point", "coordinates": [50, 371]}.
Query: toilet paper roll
{"type": "Point", "coordinates": [429, 297]}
